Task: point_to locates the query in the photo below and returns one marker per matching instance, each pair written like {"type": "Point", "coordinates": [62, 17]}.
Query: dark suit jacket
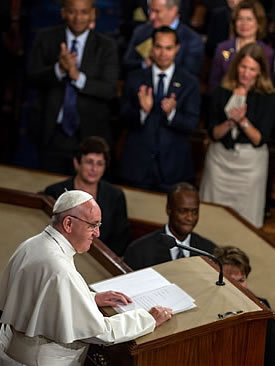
{"type": "Point", "coordinates": [218, 28]}
{"type": "Point", "coordinates": [189, 55]}
{"type": "Point", "coordinates": [224, 54]}
{"type": "Point", "coordinates": [157, 141]}
{"type": "Point", "coordinates": [100, 65]}
{"type": "Point", "coordinates": [115, 228]}
{"type": "Point", "coordinates": [153, 249]}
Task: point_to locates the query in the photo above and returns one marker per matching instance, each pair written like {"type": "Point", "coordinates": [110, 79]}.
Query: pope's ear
{"type": "Point", "coordinates": [67, 224]}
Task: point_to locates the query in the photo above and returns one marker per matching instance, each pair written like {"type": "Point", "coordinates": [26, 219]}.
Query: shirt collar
{"type": "Point", "coordinates": [60, 240]}
{"type": "Point", "coordinates": [81, 39]}
{"type": "Point", "coordinates": [168, 72]}
{"type": "Point", "coordinates": [185, 242]}
{"type": "Point", "coordinates": [174, 24]}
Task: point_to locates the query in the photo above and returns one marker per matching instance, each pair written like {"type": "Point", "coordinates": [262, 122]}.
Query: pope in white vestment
{"type": "Point", "coordinates": [50, 311]}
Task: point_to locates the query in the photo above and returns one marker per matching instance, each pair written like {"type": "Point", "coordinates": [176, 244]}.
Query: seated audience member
{"type": "Point", "coordinates": [249, 25]}
{"type": "Point", "coordinates": [50, 315]}
{"type": "Point", "coordinates": [90, 161]}
{"type": "Point", "coordinates": [183, 214]}
{"type": "Point", "coordinates": [240, 124]}
{"type": "Point", "coordinates": [164, 13]}
{"type": "Point", "coordinates": [160, 106]}
{"type": "Point", "coordinates": [236, 265]}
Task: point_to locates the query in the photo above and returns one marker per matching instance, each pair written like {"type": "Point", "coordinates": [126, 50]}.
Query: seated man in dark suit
{"type": "Point", "coordinates": [160, 105]}
{"type": "Point", "coordinates": [164, 13]}
{"type": "Point", "coordinates": [90, 162]}
{"type": "Point", "coordinates": [183, 214]}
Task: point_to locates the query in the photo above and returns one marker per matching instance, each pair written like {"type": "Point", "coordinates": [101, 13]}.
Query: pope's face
{"type": "Point", "coordinates": [85, 226]}
{"type": "Point", "coordinates": [78, 14]}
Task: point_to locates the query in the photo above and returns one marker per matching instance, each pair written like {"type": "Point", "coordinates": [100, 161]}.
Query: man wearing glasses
{"type": "Point", "coordinates": [50, 314]}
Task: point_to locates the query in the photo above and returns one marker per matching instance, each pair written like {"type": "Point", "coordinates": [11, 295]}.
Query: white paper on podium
{"type": "Point", "coordinates": [132, 283]}
{"type": "Point", "coordinates": [170, 296]}
{"type": "Point", "coordinates": [147, 288]}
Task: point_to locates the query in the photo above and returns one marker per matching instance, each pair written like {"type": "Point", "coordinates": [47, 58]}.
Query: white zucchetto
{"type": "Point", "coordinates": [70, 199]}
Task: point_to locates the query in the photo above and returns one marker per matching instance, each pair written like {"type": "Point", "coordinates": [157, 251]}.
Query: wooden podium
{"type": "Point", "coordinates": [197, 337]}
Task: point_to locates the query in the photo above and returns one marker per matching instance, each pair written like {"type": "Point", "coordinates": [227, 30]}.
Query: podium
{"type": "Point", "coordinates": [197, 337]}
{"type": "Point", "coordinates": [194, 338]}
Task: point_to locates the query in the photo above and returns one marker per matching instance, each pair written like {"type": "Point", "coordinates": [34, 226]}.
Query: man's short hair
{"type": "Point", "coordinates": [63, 2]}
{"type": "Point", "coordinates": [93, 145]}
{"type": "Point", "coordinates": [165, 29]}
{"type": "Point", "coordinates": [171, 3]}
{"type": "Point", "coordinates": [178, 187]}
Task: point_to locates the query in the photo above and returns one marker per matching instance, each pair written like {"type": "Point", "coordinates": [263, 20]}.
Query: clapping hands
{"type": "Point", "coordinates": [146, 100]}
{"type": "Point", "coordinates": [238, 114]}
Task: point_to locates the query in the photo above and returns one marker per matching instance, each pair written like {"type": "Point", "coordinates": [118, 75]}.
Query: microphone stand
{"type": "Point", "coordinates": [202, 252]}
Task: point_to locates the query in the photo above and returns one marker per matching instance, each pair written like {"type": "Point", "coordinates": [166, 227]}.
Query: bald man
{"type": "Point", "coordinates": [183, 214]}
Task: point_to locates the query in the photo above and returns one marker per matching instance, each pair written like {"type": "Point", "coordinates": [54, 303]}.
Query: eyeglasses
{"type": "Point", "coordinates": [92, 226]}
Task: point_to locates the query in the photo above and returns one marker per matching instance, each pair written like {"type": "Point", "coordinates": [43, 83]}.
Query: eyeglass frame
{"type": "Point", "coordinates": [92, 226]}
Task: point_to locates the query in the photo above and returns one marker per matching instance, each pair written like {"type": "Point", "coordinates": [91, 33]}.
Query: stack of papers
{"type": "Point", "coordinates": [147, 288]}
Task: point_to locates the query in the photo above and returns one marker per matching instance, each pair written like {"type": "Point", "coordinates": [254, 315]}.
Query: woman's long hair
{"type": "Point", "coordinates": [263, 82]}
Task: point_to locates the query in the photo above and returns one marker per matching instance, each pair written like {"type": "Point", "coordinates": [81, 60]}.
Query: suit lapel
{"type": "Point", "coordinates": [162, 253]}
{"type": "Point", "coordinates": [89, 50]}
{"type": "Point", "coordinates": [175, 84]}
{"type": "Point", "coordinates": [148, 77]}
{"type": "Point", "coordinates": [60, 37]}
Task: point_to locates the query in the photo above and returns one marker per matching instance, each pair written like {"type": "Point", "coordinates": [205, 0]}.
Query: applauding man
{"type": "Point", "coordinates": [161, 107]}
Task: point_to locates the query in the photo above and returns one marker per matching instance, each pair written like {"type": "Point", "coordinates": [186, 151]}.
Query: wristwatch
{"type": "Point", "coordinates": [245, 125]}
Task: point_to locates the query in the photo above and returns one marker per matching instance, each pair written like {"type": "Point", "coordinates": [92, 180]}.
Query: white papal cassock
{"type": "Point", "coordinates": [50, 309]}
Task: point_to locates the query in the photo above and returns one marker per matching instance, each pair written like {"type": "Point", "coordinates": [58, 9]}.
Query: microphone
{"type": "Point", "coordinates": [172, 243]}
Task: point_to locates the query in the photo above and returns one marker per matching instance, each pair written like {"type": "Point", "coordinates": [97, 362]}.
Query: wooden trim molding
{"type": "Point", "coordinates": [99, 250]}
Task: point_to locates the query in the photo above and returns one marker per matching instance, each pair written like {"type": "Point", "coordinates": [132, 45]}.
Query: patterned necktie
{"type": "Point", "coordinates": [70, 122]}
{"type": "Point", "coordinates": [160, 89]}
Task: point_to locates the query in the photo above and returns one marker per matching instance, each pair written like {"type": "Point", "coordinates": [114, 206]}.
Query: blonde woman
{"type": "Point", "coordinates": [241, 119]}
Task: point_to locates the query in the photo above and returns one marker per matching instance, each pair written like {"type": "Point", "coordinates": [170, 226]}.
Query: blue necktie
{"type": "Point", "coordinates": [160, 89]}
{"type": "Point", "coordinates": [70, 122]}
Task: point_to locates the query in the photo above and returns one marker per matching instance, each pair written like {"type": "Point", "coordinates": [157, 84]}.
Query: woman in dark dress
{"type": "Point", "coordinates": [241, 119]}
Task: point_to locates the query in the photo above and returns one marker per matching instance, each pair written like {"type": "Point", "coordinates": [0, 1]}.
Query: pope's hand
{"type": "Point", "coordinates": [112, 298]}
{"type": "Point", "coordinates": [160, 314]}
